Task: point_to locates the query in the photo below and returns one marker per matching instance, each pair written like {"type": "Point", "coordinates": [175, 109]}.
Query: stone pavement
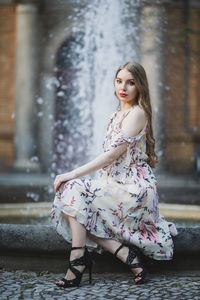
{"type": "Point", "coordinates": [33, 285]}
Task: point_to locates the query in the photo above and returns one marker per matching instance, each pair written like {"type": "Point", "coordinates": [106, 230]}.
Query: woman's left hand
{"type": "Point", "coordinates": [61, 179]}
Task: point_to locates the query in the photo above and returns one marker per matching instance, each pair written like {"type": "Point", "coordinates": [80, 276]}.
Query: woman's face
{"type": "Point", "coordinates": [125, 88]}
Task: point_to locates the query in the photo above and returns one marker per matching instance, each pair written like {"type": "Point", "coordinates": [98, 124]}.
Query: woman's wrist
{"type": "Point", "coordinates": [80, 171]}
{"type": "Point", "coordinates": [75, 173]}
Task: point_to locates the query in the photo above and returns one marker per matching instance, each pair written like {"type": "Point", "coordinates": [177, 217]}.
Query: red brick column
{"type": "Point", "coordinates": [7, 63]}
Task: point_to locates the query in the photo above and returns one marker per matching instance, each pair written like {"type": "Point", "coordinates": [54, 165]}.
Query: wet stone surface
{"type": "Point", "coordinates": [32, 285]}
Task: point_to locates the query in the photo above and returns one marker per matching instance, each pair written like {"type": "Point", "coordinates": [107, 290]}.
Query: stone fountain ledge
{"type": "Point", "coordinates": [39, 247]}
{"type": "Point", "coordinates": [44, 239]}
{"type": "Point", "coordinates": [42, 209]}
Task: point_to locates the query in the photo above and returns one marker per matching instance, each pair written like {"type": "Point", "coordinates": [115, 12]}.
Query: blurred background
{"type": "Point", "coordinates": [58, 60]}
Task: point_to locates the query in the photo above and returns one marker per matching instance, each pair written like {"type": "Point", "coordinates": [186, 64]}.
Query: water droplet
{"type": "Point", "coordinates": [40, 114]}
{"type": "Point", "coordinates": [50, 190]}
{"type": "Point", "coordinates": [61, 137]}
{"type": "Point", "coordinates": [34, 158]}
{"type": "Point", "coordinates": [33, 196]}
{"type": "Point", "coordinates": [65, 123]}
{"type": "Point", "coordinates": [40, 100]}
{"type": "Point", "coordinates": [60, 94]}
{"type": "Point", "coordinates": [53, 175]}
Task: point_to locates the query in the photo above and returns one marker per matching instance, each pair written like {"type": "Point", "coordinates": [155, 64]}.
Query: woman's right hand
{"type": "Point", "coordinates": [61, 179]}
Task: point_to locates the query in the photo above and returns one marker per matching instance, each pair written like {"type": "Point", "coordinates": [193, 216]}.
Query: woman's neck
{"type": "Point", "coordinates": [125, 107]}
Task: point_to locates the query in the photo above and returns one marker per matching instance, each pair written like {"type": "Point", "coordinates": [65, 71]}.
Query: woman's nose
{"type": "Point", "coordinates": [123, 86]}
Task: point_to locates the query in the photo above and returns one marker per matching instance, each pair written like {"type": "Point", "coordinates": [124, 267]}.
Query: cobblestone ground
{"type": "Point", "coordinates": [31, 285]}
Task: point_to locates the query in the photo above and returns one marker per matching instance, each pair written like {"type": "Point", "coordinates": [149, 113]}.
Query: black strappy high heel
{"type": "Point", "coordinates": [84, 260]}
{"type": "Point", "coordinates": [132, 254]}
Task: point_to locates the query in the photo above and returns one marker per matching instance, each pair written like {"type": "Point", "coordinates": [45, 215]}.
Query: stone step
{"type": "Point", "coordinates": [23, 187]}
{"type": "Point", "coordinates": [39, 247]}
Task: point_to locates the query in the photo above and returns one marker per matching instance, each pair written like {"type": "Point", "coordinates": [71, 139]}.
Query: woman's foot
{"type": "Point", "coordinates": [80, 260]}
{"type": "Point", "coordinates": [124, 253]}
{"type": "Point", "coordinates": [77, 253]}
{"type": "Point", "coordinates": [130, 256]}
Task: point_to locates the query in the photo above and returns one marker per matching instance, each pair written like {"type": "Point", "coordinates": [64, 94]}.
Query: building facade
{"type": "Point", "coordinates": [36, 38]}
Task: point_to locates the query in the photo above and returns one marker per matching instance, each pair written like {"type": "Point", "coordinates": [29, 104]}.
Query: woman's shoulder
{"type": "Point", "coordinates": [138, 110]}
{"type": "Point", "coordinates": [134, 122]}
{"type": "Point", "coordinates": [137, 113]}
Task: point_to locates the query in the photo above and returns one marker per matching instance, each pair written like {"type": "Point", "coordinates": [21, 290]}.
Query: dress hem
{"type": "Point", "coordinates": [95, 246]}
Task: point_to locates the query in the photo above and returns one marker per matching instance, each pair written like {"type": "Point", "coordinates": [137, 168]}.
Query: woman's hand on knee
{"type": "Point", "coordinates": [61, 179]}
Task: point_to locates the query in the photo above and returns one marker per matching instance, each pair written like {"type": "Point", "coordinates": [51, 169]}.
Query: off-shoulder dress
{"type": "Point", "coordinates": [122, 203]}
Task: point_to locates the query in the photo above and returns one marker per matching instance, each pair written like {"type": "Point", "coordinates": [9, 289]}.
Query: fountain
{"type": "Point", "coordinates": [69, 51]}
{"type": "Point", "coordinates": [86, 64]}
{"type": "Point", "coordinates": [83, 45]}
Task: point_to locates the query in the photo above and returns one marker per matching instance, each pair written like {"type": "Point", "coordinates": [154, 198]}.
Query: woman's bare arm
{"type": "Point", "coordinates": [99, 162]}
{"type": "Point", "coordinates": [132, 125]}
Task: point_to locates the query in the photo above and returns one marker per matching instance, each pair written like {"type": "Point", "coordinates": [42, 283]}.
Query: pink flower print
{"type": "Point", "coordinates": [114, 212]}
{"type": "Point", "coordinates": [71, 202]}
{"type": "Point", "coordinates": [132, 149]}
{"type": "Point", "coordinates": [151, 187]}
{"type": "Point", "coordinates": [148, 231]}
{"type": "Point", "coordinates": [120, 206]}
{"type": "Point", "coordinates": [65, 186]}
{"type": "Point", "coordinates": [122, 230]}
{"type": "Point", "coordinates": [114, 224]}
{"type": "Point", "coordinates": [130, 231]}
{"type": "Point", "coordinates": [141, 171]}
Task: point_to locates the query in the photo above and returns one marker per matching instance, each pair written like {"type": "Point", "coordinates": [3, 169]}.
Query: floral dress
{"type": "Point", "coordinates": [122, 203]}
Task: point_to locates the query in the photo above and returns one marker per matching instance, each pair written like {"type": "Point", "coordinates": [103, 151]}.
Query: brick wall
{"type": "Point", "coordinates": [179, 148]}
{"type": "Point", "coordinates": [194, 68]}
{"type": "Point", "coordinates": [7, 66]}
{"type": "Point", "coordinates": [182, 75]}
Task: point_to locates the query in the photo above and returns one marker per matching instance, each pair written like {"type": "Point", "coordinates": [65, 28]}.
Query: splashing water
{"type": "Point", "coordinates": [107, 38]}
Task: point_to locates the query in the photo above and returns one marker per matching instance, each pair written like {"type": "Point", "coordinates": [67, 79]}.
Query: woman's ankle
{"type": "Point", "coordinates": [76, 253]}
{"type": "Point", "coordinates": [122, 254]}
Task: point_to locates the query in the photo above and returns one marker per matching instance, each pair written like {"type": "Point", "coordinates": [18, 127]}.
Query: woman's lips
{"type": "Point", "coordinates": [122, 95]}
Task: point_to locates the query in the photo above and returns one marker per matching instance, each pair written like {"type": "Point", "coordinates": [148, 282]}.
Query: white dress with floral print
{"type": "Point", "coordinates": [122, 203]}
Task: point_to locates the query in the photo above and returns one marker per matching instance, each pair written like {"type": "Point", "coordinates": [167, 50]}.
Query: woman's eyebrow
{"type": "Point", "coordinates": [127, 79]}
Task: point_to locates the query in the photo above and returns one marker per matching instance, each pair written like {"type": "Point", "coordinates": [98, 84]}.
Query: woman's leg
{"type": "Point", "coordinates": [78, 240]}
{"type": "Point", "coordinates": [111, 246]}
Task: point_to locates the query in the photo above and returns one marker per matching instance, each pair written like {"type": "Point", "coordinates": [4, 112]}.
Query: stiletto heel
{"type": "Point", "coordinates": [90, 275]}
{"type": "Point", "coordinates": [89, 264]}
{"type": "Point", "coordinates": [134, 253]}
{"type": "Point", "coordinates": [84, 260]}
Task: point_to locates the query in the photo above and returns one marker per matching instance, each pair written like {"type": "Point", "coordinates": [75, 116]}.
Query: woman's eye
{"type": "Point", "coordinates": [132, 83]}
{"type": "Point", "coordinates": [118, 81]}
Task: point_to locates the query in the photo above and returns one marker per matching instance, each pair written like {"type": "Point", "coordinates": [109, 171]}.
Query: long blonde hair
{"type": "Point", "coordinates": [143, 100]}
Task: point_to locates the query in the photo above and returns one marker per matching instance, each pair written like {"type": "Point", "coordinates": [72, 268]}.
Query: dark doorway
{"type": "Point", "coordinates": [71, 138]}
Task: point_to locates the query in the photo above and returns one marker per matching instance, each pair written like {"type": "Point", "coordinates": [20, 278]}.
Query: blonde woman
{"type": "Point", "coordinates": [119, 210]}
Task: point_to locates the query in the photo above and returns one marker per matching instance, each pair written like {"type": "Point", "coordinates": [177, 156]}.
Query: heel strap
{"type": "Point", "coordinates": [136, 265]}
{"type": "Point", "coordinates": [118, 249]}
{"type": "Point", "coordinates": [75, 248]}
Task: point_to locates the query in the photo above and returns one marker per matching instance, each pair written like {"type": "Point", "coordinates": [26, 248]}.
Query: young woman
{"type": "Point", "coordinates": [119, 210]}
